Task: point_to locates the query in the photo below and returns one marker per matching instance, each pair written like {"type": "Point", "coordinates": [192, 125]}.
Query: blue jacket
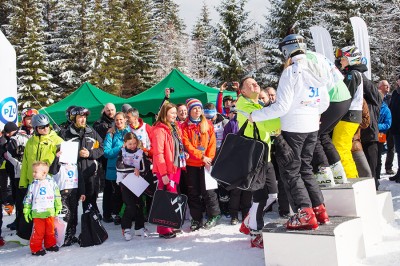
{"type": "Point", "coordinates": [385, 118]}
{"type": "Point", "coordinates": [112, 147]}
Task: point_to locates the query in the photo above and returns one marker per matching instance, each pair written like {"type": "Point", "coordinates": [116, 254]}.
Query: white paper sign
{"type": "Point", "coordinates": [69, 152]}
{"type": "Point", "coordinates": [211, 183]}
{"type": "Point", "coordinates": [136, 184]}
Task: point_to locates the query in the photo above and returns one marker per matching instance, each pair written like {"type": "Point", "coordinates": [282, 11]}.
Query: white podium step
{"type": "Point", "coordinates": [385, 207]}
{"type": "Point", "coordinates": [339, 243]}
{"type": "Point", "coordinates": [357, 199]}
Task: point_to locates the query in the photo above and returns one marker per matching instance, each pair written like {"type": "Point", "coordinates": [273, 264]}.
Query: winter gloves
{"type": "Point", "coordinates": [28, 217]}
{"type": "Point", "coordinates": [283, 152]}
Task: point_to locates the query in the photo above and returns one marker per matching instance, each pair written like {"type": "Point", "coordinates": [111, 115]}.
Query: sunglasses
{"type": "Point", "coordinates": [43, 127]}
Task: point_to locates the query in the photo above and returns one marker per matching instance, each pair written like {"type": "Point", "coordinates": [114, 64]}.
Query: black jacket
{"type": "Point", "coordinates": [374, 101]}
{"type": "Point", "coordinates": [87, 167]}
{"type": "Point", "coordinates": [103, 125]}
{"type": "Point", "coordinates": [394, 107]}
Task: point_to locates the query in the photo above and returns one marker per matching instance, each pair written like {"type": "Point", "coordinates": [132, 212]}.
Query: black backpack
{"type": "Point", "coordinates": [92, 231]}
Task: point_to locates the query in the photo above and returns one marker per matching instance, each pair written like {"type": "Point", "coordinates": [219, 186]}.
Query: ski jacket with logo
{"type": "Point", "coordinates": [302, 94]}
{"type": "Point", "coordinates": [43, 198]}
{"type": "Point", "coordinates": [38, 148]}
{"type": "Point", "coordinates": [87, 167]}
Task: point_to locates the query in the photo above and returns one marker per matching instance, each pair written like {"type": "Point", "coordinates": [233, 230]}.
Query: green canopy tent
{"type": "Point", "coordinates": [149, 101]}
{"type": "Point", "coordinates": [88, 96]}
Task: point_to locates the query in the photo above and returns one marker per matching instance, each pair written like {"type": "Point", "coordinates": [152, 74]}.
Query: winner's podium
{"type": "Point", "coordinates": [357, 214]}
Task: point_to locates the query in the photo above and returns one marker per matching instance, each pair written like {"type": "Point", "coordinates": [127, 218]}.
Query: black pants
{"type": "Point", "coordinates": [301, 186]}
{"type": "Point", "coordinates": [19, 204]}
{"type": "Point", "coordinates": [3, 186]}
{"type": "Point", "coordinates": [240, 200]}
{"type": "Point", "coordinates": [371, 152]}
{"type": "Point", "coordinates": [325, 153]}
{"type": "Point", "coordinates": [196, 189]}
{"type": "Point", "coordinates": [112, 198]}
{"type": "Point", "coordinates": [70, 202]}
{"type": "Point", "coordinates": [133, 209]}
{"type": "Point", "coordinates": [390, 150]}
{"type": "Point", "coordinates": [260, 196]}
{"type": "Point", "coordinates": [379, 163]}
{"type": "Point", "coordinates": [282, 196]}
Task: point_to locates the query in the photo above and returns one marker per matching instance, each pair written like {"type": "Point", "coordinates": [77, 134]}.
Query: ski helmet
{"type": "Point", "coordinates": [78, 110]}
{"type": "Point", "coordinates": [40, 120]}
{"type": "Point", "coordinates": [28, 112]}
{"type": "Point", "coordinates": [352, 54]}
{"type": "Point", "coordinates": [292, 43]}
{"type": "Point", "coordinates": [68, 112]}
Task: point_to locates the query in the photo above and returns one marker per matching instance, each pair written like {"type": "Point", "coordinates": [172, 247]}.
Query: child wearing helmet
{"type": "Point", "coordinates": [26, 116]}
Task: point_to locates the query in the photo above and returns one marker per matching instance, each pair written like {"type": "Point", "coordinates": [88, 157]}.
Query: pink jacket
{"type": "Point", "coordinates": [162, 147]}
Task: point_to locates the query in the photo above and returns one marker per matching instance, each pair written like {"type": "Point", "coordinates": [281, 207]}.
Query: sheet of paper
{"type": "Point", "coordinates": [136, 184]}
{"type": "Point", "coordinates": [69, 151]}
{"type": "Point", "coordinates": [211, 183]}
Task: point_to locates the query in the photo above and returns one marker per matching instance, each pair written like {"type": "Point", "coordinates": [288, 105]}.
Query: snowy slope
{"type": "Point", "coordinates": [222, 245]}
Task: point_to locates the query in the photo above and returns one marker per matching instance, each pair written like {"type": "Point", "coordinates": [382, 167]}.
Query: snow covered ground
{"type": "Point", "coordinates": [222, 245]}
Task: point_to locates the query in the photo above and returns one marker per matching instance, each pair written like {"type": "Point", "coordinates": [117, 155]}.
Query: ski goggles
{"type": "Point", "coordinates": [43, 127]}
{"type": "Point", "coordinates": [84, 112]}
{"type": "Point", "coordinates": [339, 54]}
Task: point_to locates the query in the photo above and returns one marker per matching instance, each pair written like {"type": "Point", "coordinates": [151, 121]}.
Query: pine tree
{"type": "Point", "coordinates": [283, 15]}
{"type": "Point", "coordinates": [171, 41]}
{"type": "Point", "coordinates": [231, 39]}
{"type": "Point", "coordinates": [143, 61]}
{"type": "Point", "coordinates": [4, 13]}
{"type": "Point", "coordinates": [27, 36]}
{"type": "Point", "coordinates": [201, 37]}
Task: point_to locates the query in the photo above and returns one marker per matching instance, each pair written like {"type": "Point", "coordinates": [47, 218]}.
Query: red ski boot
{"type": "Point", "coordinates": [244, 228]}
{"type": "Point", "coordinates": [304, 219]}
{"type": "Point", "coordinates": [256, 240]}
{"type": "Point", "coordinates": [321, 215]}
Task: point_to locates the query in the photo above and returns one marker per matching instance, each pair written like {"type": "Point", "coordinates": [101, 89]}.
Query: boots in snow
{"type": "Point", "coordinates": [256, 240]}
{"type": "Point", "coordinates": [321, 215]}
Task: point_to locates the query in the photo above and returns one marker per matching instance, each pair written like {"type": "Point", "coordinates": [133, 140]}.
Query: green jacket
{"type": "Point", "coordinates": [38, 148]}
{"type": "Point", "coordinates": [40, 191]}
{"type": "Point", "coordinates": [266, 128]}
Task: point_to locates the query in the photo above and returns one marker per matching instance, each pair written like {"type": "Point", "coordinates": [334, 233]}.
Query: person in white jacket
{"type": "Point", "coordinates": [302, 96]}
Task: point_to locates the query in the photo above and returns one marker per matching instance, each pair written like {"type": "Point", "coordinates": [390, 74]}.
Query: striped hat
{"type": "Point", "coordinates": [190, 103]}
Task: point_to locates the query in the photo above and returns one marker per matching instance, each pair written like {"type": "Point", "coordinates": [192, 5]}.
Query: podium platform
{"type": "Point", "coordinates": [357, 213]}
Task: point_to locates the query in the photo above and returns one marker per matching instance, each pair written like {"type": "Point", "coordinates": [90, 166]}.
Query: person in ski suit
{"type": "Point", "coordinates": [302, 96]}
{"type": "Point", "coordinates": [42, 202]}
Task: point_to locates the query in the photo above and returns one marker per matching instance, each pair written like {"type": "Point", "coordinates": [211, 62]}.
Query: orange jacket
{"type": "Point", "coordinates": [192, 139]}
{"type": "Point", "coordinates": [162, 148]}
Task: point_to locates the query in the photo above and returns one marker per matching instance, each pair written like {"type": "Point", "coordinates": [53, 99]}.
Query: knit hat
{"type": "Point", "coordinates": [10, 127]}
{"type": "Point", "coordinates": [125, 107]}
{"type": "Point", "coordinates": [190, 103]}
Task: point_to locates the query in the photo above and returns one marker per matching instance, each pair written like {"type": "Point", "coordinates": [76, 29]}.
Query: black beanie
{"type": "Point", "coordinates": [10, 127]}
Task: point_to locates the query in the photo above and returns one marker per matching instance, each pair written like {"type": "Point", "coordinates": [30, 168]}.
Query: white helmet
{"type": "Point", "coordinates": [292, 43]}
{"type": "Point", "coordinates": [352, 54]}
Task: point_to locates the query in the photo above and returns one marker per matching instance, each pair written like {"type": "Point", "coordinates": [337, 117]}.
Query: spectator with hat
{"type": "Point", "coordinates": [225, 102]}
{"type": "Point", "coordinates": [26, 123]}
{"type": "Point", "coordinates": [199, 140]}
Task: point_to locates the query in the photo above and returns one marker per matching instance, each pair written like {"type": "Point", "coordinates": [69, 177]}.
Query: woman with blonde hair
{"type": "Point", "coordinates": [200, 142]}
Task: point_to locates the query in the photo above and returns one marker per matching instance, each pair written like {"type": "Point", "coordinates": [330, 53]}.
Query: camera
{"type": "Point", "coordinates": [229, 85]}
{"type": "Point", "coordinates": [171, 90]}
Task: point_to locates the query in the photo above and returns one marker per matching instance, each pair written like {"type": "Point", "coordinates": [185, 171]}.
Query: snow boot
{"type": "Point", "coordinates": [211, 222]}
{"type": "Point", "coordinates": [324, 177]}
{"type": "Point", "coordinates": [303, 220]}
{"type": "Point", "coordinates": [39, 253]}
{"type": "Point", "coordinates": [127, 234]}
{"type": "Point", "coordinates": [339, 175]}
{"type": "Point", "coordinates": [256, 240]}
{"type": "Point", "coordinates": [195, 225]}
{"type": "Point", "coordinates": [234, 221]}
{"type": "Point", "coordinates": [321, 215]}
{"type": "Point", "coordinates": [53, 248]}
{"type": "Point", "coordinates": [141, 232]}
{"type": "Point", "coordinates": [2, 242]}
